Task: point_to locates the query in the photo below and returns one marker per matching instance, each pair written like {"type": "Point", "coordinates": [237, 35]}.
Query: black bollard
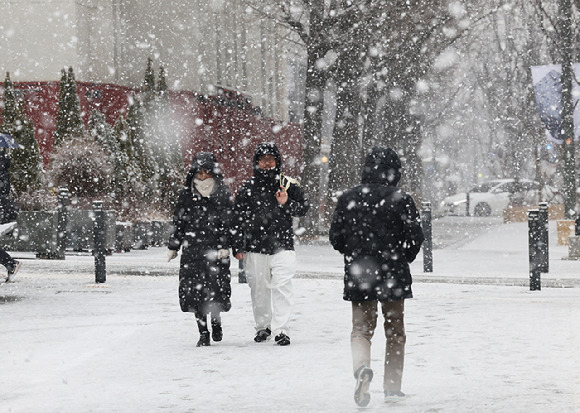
{"type": "Point", "coordinates": [62, 223]}
{"type": "Point", "coordinates": [241, 273]}
{"type": "Point", "coordinates": [99, 242]}
{"type": "Point", "coordinates": [467, 213]}
{"type": "Point", "coordinates": [534, 224]}
{"type": "Point", "coordinates": [428, 233]}
{"type": "Point", "coordinates": [544, 239]}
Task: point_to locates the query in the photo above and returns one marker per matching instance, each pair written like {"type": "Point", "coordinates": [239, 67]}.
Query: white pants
{"type": "Point", "coordinates": [270, 281]}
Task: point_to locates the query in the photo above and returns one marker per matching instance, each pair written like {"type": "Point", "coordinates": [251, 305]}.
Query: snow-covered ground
{"type": "Point", "coordinates": [477, 339]}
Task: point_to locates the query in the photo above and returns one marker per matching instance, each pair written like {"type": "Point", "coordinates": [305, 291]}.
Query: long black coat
{"type": "Point", "coordinates": [202, 226]}
{"type": "Point", "coordinates": [262, 225]}
{"type": "Point", "coordinates": [4, 174]}
{"type": "Point", "coordinates": [378, 229]}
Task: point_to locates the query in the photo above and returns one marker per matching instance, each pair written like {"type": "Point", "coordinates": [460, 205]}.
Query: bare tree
{"type": "Point", "coordinates": [316, 24]}
{"type": "Point", "coordinates": [503, 52]}
{"type": "Point", "coordinates": [375, 52]}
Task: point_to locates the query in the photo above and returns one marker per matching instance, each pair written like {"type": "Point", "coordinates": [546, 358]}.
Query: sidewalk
{"type": "Point", "coordinates": [498, 256]}
{"type": "Point", "coordinates": [70, 345]}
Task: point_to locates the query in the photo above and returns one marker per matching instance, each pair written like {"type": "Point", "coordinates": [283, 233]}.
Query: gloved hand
{"type": "Point", "coordinates": [223, 254]}
{"type": "Point", "coordinates": [171, 254]}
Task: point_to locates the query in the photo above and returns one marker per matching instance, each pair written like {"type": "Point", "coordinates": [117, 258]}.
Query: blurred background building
{"type": "Point", "coordinates": [203, 45]}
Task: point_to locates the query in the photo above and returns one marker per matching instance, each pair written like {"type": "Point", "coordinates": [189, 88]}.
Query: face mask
{"type": "Point", "coordinates": [204, 187]}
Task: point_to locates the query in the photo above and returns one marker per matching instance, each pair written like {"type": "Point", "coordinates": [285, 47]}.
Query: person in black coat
{"type": "Point", "coordinates": [8, 213]}
{"type": "Point", "coordinates": [264, 239]}
{"type": "Point", "coordinates": [5, 163]}
{"type": "Point", "coordinates": [202, 226]}
{"type": "Point", "coordinates": [377, 228]}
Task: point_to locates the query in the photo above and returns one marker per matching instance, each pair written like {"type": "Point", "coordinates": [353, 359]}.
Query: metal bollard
{"type": "Point", "coordinates": [428, 233]}
{"type": "Point", "coordinates": [467, 202]}
{"type": "Point", "coordinates": [99, 242]}
{"type": "Point", "coordinates": [62, 223]}
{"type": "Point", "coordinates": [534, 223]}
{"type": "Point", "coordinates": [241, 273]}
{"type": "Point", "coordinates": [544, 239]}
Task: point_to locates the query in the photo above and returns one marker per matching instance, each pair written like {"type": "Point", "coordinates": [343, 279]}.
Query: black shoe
{"type": "Point", "coordinates": [13, 270]}
{"type": "Point", "coordinates": [216, 331]}
{"type": "Point", "coordinates": [262, 335]}
{"type": "Point", "coordinates": [282, 339]}
{"type": "Point", "coordinates": [203, 339]}
{"type": "Point", "coordinates": [363, 376]}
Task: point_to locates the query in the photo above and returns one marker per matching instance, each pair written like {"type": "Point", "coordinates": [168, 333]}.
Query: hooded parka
{"type": "Point", "coordinates": [5, 163]}
{"type": "Point", "coordinates": [262, 224]}
{"type": "Point", "coordinates": [377, 228]}
{"type": "Point", "coordinates": [202, 226]}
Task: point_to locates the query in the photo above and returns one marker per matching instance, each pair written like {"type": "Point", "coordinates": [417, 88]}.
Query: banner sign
{"type": "Point", "coordinates": [548, 91]}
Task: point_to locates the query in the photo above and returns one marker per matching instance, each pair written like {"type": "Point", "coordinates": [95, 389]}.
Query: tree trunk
{"type": "Point", "coordinates": [565, 34]}
{"type": "Point", "coordinates": [369, 138]}
{"type": "Point", "coordinates": [316, 48]}
{"type": "Point", "coordinates": [345, 160]}
{"type": "Point", "coordinates": [402, 132]}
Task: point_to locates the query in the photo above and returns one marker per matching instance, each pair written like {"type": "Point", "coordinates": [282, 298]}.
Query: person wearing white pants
{"type": "Point", "coordinates": [270, 281]}
{"type": "Point", "coordinates": [264, 239]}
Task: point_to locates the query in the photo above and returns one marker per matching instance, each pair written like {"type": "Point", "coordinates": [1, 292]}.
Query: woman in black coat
{"type": "Point", "coordinates": [202, 223]}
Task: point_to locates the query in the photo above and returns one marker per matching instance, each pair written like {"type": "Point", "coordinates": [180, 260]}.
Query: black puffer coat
{"type": "Point", "coordinates": [377, 228]}
{"type": "Point", "coordinates": [202, 226]}
{"type": "Point", "coordinates": [262, 224]}
{"type": "Point", "coordinates": [4, 174]}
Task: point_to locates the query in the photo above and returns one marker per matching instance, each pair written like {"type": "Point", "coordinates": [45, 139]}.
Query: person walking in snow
{"type": "Point", "coordinates": [8, 213]}
{"type": "Point", "coordinates": [8, 206]}
{"type": "Point", "coordinates": [5, 163]}
{"type": "Point", "coordinates": [264, 239]}
{"type": "Point", "coordinates": [12, 265]}
{"type": "Point", "coordinates": [377, 228]}
{"type": "Point", "coordinates": [202, 228]}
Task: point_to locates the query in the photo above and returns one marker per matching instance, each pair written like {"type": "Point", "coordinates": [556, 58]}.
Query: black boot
{"type": "Point", "coordinates": [262, 335]}
{"type": "Point", "coordinates": [203, 339]}
{"type": "Point", "coordinates": [203, 331]}
{"type": "Point", "coordinates": [216, 328]}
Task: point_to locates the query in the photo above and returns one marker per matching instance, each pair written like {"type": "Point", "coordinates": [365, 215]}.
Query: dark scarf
{"type": "Point", "coordinates": [267, 179]}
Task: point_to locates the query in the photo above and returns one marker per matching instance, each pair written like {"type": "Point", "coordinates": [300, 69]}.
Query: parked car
{"type": "Point", "coordinates": [491, 198]}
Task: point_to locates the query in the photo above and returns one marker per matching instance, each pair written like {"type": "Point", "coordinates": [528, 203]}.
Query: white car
{"type": "Point", "coordinates": [491, 198]}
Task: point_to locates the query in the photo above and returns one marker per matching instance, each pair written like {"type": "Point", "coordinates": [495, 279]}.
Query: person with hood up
{"type": "Point", "coordinates": [264, 239]}
{"type": "Point", "coordinates": [8, 213]}
{"type": "Point", "coordinates": [377, 228]}
{"type": "Point", "coordinates": [202, 227]}
{"type": "Point", "coordinates": [5, 163]}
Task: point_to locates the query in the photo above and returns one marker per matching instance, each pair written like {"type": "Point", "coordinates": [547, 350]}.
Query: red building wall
{"type": "Point", "coordinates": [227, 125]}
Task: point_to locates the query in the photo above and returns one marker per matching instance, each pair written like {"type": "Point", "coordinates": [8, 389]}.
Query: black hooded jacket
{"type": "Point", "coordinates": [205, 223]}
{"type": "Point", "coordinates": [378, 229]}
{"type": "Point", "coordinates": [4, 174]}
{"type": "Point", "coordinates": [262, 225]}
